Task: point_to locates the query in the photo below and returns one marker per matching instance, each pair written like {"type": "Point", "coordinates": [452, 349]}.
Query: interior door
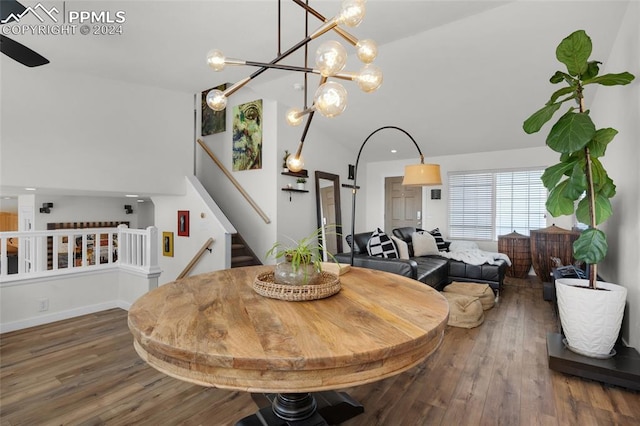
{"type": "Point", "coordinates": [403, 204]}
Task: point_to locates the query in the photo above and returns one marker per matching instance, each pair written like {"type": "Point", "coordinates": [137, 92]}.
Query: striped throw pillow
{"type": "Point", "coordinates": [440, 242]}
{"type": "Point", "coordinates": [381, 245]}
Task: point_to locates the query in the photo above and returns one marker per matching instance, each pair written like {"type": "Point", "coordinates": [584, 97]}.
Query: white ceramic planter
{"type": "Point", "coordinates": [590, 319]}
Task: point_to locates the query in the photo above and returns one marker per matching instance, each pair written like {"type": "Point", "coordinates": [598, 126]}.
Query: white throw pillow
{"type": "Point", "coordinates": [424, 244]}
{"type": "Point", "coordinates": [402, 246]}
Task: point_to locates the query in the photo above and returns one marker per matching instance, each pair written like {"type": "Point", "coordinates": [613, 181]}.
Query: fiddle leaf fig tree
{"type": "Point", "coordinates": [581, 146]}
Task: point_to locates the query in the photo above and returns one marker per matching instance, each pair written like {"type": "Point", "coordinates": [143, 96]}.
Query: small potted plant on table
{"type": "Point", "coordinates": [300, 262]}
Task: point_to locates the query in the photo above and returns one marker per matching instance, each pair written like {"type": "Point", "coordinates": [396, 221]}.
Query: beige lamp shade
{"type": "Point", "coordinates": [422, 175]}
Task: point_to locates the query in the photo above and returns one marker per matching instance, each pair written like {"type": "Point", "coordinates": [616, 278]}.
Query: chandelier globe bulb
{"type": "Point", "coordinates": [216, 60]}
{"type": "Point", "coordinates": [294, 117]}
{"type": "Point", "coordinates": [216, 100]}
{"type": "Point", "coordinates": [370, 78]}
{"type": "Point", "coordinates": [352, 13]}
{"type": "Point", "coordinates": [295, 164]}
{"type": "Point", "coordinates": [331, 58]}
{"type": "Point", "coordinates": [330, 99]}
{"type": "Point", "coordinates": [367, 50]}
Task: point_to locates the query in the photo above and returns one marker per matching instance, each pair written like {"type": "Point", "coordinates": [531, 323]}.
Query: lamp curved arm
{"type": "Point", "coordinates": [355, 178]}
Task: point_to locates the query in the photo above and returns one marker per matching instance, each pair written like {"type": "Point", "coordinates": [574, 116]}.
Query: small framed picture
{"type": "Point", "coordinates": [183, 223]}
{"type": "Point", "coordinates": [167, 244]}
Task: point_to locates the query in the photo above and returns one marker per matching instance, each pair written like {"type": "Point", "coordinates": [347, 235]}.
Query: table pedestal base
{"type": "Point", "coordinates": [318, 409]}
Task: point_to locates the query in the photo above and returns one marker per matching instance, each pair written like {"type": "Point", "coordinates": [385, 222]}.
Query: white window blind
{"type": "Point", "coordinates": [484, 205]}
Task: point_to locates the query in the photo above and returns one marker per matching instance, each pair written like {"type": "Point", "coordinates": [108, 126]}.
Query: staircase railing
{"type": "Point", "coordinates": [34, 254]}
{"type": "Point", "coordinates": [234, 182]}
{"type": "Point", "coordinates": [195, 259]}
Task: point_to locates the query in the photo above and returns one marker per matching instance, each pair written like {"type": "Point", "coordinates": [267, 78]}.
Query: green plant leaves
{"type": "Point", "coordinates": [574, 52]}
{"type": "Point", "coordinates": [602, 183]}
{"type": "Point", "coordinates": [559, 77]}
{"type": "Point", "coordinates": [538, 118]}
{"type": "Point", "coordinates": [591, 246]}
{"type": "Point", "coordinates": [603, 210]}
{"type": "Point", "coordinates": [561, 198]}
{"type": "Point", "coordinates": [578, 178]}
{"type": "Point", "coordinates": [572, 132]}
{"type": "Point", "coordinates": [569, 136]}
{"type": "Point", "coordinates": [561, 92]}
{"type": "Point", "coordinates": [601, 139]}
{"type": "Point", "coordinates": [553, 174]}
{"type": "Point", "coordinates": [611, 79]}
{"type": "Point", "coordinates": [592, 70]}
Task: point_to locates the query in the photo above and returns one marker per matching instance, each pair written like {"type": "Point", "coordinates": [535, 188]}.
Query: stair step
{"type": "Point", "coordinates": [240, 259]}
{"type": "Point", "coordinates": [243, 261]}
{"type": "Point", "coordinates": [241, 255]}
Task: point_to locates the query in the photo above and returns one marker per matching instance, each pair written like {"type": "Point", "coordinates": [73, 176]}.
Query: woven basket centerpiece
{"type": "Point", "coordinates": [326, 285]}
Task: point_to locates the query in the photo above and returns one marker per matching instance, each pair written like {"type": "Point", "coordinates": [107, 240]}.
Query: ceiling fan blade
{"type": "Point", "coordinates": [21, 53]}
{"type": "Point", "coordinates": [8, 7]}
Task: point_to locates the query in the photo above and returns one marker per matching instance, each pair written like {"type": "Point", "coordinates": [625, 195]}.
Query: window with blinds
{"type": "Point", "coordinates": [484, 205]}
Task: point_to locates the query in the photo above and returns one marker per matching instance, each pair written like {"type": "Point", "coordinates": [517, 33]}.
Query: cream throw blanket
{"type": "Point", "coordinates": [468, 252]}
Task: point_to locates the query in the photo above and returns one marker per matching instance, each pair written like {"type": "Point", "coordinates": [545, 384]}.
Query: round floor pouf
{"type": "Point", "coordinates": [481, 291]}
{"type": "Point", "coordinates": [464, 311]}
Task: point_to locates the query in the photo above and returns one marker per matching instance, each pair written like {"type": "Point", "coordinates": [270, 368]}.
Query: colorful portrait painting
{"type": "Point", "coordinates": [247, 136]}
{"type": "Point", "coordinates": [213, 121]}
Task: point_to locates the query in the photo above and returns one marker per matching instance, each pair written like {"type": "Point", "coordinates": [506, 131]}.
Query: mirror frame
{"type": "Point", "coordinates": [336, 194]}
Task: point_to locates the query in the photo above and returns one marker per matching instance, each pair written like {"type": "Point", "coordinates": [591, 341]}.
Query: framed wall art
{"type": "Point", "coordinates": [167, 244]}
{"type": "Point", "coordinates": [183, 223]}
{"type": "Point", "coordinates": [247, 136]}
{"type": "Point", "coordinates": [212, 121]}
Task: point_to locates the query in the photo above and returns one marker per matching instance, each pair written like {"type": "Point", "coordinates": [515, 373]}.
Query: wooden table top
{"type": "Point", "coordinates": [214, 330]}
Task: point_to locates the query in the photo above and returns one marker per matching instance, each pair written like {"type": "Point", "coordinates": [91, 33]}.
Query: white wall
{"type": "Point", "coordinates": [84, 209]}
{"type": "Point", "coordinates": [619, 107]}
{"type": "Point", "coordinates": [298, 218]}
{"type": "Point", "coordinates": [64, 131]}
{"type": "Point", "coordinates": [260, 184]}
{"type": "Point", "coordinates": [205, 221]}
{"type": "Point", "coordinates": [145, 213]}
{"type": "Point", "coordinates": [289, 219]}
{"type": "Point", "coordinates": [69, 296]}
{"type": "Point", "coordinates": [435, 212]}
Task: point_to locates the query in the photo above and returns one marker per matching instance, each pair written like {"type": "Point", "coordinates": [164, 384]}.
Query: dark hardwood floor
{"type": "Point", "coordinates": [84, 371]}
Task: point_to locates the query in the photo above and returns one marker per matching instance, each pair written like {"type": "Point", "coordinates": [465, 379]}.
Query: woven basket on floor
{"type": "Point", "coordinates": [327, 285]}
{"type": "Point", "coordinates": [518, 248]}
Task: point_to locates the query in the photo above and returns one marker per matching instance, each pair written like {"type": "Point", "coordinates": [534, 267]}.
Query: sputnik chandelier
{"type": "Point", "coordinates": [330, 98]}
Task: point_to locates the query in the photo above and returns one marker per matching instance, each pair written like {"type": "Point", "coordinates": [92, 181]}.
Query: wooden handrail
{"type": "Point", "coordinates": [195, 259]}
{"type": "Point", "coordinates": [234, 182]}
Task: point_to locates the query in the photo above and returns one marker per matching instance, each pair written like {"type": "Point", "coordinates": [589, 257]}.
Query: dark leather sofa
{"type": "Point", "coordinates": [461, 271]}
{"type": "Point", "coordinates": [431, 270]}
{"type": "Point", "coordinates": [434, 270]}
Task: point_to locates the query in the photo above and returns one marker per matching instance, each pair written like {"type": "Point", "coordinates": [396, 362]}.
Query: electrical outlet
{"type": "Point", "coordinates": [43, 305]}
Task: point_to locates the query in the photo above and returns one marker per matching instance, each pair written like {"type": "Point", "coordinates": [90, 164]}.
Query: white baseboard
{"type": "Point", "coordinates": [63, 315]}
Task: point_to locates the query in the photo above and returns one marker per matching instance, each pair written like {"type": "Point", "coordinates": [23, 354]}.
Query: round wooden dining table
{"type": "Point", "coordinates": [213, 329]}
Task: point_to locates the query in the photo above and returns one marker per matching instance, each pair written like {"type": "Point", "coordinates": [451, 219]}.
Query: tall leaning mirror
{"type": "Point", "coordinates": [328, 211]}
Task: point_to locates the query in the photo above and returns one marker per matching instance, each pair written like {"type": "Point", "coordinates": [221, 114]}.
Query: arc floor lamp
{"type": "Point", "coordinates": [414, 175]}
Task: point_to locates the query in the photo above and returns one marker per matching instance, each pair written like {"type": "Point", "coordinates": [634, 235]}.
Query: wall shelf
{"type": "Point", "coordinates": [302, 173]}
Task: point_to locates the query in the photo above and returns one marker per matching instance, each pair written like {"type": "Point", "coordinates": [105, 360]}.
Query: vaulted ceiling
{"type": "Point", "coordinates": [460, 76]}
